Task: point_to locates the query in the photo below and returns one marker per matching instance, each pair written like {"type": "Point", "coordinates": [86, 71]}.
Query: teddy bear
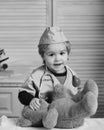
{"type": "Point", "coordinates": [64, 111]}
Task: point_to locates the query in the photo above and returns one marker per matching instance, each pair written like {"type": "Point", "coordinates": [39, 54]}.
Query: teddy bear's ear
{"type": "Point", "coordinates": [76, 81]}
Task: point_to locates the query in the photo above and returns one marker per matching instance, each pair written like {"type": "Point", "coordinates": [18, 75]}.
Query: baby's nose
{"type": "Point", "coordinates": [57, 57]}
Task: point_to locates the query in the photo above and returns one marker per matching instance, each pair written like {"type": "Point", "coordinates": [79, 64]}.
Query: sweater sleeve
{"type": "Point", "coordinates": [27, 92]}
{"type": "Point", "coordinates": [25, 97]}
{"type": "Point", "coordinates": [30, 88]}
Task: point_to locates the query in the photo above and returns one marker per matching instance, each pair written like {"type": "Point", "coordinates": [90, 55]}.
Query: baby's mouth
{"type": "Point", "coordinates": [57, 64]}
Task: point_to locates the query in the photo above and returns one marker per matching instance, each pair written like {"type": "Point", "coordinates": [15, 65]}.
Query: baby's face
{"type": "Point", "coordinates": [56, 57]}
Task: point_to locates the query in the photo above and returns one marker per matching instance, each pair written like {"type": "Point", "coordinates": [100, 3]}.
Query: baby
{"type": "Point", "coordinates": [54, 49]}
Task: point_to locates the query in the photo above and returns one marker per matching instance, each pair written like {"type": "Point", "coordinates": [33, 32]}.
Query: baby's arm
{"type": "Point", "coordinates": [28, 94]}
{"type": "Point", "coordinates": [28, 91]}
{"type": "Point", "coordinates": [28, 99]}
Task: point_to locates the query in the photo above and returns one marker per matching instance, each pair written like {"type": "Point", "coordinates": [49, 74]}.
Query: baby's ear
{"type": "Point", "coordinates": [76, 81]}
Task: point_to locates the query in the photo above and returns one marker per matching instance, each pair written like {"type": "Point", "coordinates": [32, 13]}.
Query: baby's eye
{"type": "Point", "coordinates": [51, 54]}
{"type": "Point", "coordinates": [62, 53]}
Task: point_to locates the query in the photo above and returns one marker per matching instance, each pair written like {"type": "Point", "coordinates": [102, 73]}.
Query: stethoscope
{"type": "Point", "coordinates": [75, 80]}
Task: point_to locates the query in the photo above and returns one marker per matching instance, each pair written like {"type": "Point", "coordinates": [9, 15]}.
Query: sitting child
{"type": "Point", "coordinates": [54, 49]}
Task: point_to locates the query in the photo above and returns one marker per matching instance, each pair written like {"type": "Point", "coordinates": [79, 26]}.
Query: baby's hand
{"type": "Point", "coordinates": [35, 104]}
